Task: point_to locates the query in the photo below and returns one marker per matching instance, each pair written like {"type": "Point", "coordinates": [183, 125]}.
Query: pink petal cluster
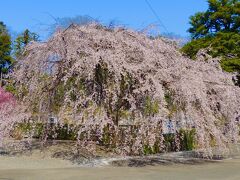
{"type": "Point", "coordinates": [10, 113]}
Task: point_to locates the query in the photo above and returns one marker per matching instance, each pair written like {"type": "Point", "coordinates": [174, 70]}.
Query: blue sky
{"type": "Point", "coordinates": [174, 14]}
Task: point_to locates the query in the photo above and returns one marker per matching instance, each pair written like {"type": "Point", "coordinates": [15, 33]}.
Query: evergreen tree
{"type": "Point", "coordinates": [221, 15]}
{"type": "Point", "coordinates": [217, 29]}
{"type": "Point", "coordinates": [5, 51]}
{"type": "Point", "coordinates": [23, 40]}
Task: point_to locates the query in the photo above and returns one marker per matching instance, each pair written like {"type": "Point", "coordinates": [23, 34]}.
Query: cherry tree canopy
{"type": "Point", "coordinates": [93, 76]}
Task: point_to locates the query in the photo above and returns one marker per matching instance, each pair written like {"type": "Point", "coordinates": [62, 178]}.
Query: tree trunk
{"type": "Point", "coordinates": [1, 79]}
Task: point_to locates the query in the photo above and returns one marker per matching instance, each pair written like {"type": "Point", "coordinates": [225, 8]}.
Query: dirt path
{"type": "Point", "coordinates": [28, 168]}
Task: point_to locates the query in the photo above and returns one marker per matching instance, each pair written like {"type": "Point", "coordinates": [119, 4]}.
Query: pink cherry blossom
{"type": "Point", "coordinates": [202, 95]}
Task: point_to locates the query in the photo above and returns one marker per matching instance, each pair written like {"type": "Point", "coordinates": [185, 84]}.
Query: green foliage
{"type": "Point", "coordinates": [109, 137]}
{"type": "Point", "coordinates": [218, 30]}
{"type": "Point", "coordinates": [231, 65]}
{"type": "Point", "coordinates": [187, 140]}
{"type": "Point", "coordinates": [6, 60]}
{"type": "Point", "coordinates": [66, 132]}
{"type": "Point", "coordinates": [151, 107]}
{"type": "Point", "coordinates": [73, 85]}
{"type": "Point", "coordinates": [106, 139]}
{"type": "Point", "coordinates": [70, 83]}
{"type": "Point", "coordinates": [35, 106]}
{"type": "Point", "coordinates": [73, 96]}
{"type": "Point", "coordinates": [39, 127]}
{"type": "Point", "coordinates": [26, 128]}
{"type": "Point", "coordinates": [237, 80]}
{"type": "Point", "coordinates": [58, 98]}
{"type": "Point", "coordinates": [221, 15]}
{"type": "Point", "coordinates": [2, 27]}
{"type": "Point", "coordinates": [22, 91]}
{"type": "Point", "coordinates": [169, 142]}
{"type": "Point", "coordinates": [168, 96]}
{"type": "Point", "coordinates": [23, 40]}
{"type": "Point", "coordinates": [147, 150]}
{"type": "Point", "coordinates": [156, 147]}
{"type": "Point", "coordinates": [101, 73]}
{"type": "Point", "coordinates": [171, 106]}
{"type": "Point", "coordinates": [191, 49]}
{"type": "Point", "coordinates": [101, 77]}
{"type": "Point", "coordinates": [11, 88]}
{"type": "Point", "coordinates": [125, 114]}
{"type": "Point", "coordinates": [225, 45]}
{"type": "Point", "coordinates": [127, 85]}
